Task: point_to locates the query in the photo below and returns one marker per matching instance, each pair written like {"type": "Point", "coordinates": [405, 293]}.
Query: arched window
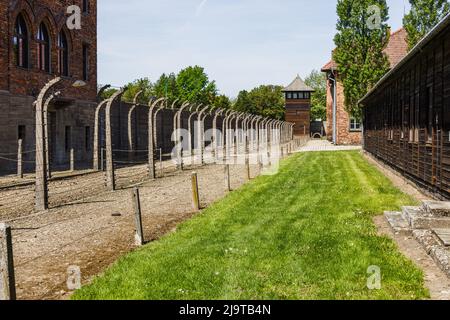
{"type": "Point", "coordinates": [43, 52]}
{"type": "Point", "coordinates": [63, 54]}
{"type": "Point", "coordinates": [85, 6]}
{"type": "Point", "coordinates": [20, 42]}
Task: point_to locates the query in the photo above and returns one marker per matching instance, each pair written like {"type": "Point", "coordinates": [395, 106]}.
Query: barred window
{"type": "Point", "coordinates": [20, 42]}
{"type": "Point", "coordinates": [43, 52]}
{"type": "Point", "coordinates": [63, 54]}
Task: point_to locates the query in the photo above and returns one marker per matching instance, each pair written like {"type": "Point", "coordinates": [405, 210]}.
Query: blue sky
{"type": "Point", "coordinates": [241, 43]}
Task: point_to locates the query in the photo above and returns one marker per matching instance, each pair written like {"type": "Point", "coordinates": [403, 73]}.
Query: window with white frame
{"type": "Point", "coordinates": [355, 124]}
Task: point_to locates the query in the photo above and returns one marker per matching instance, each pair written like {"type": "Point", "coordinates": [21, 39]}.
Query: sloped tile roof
{"type": "Point", "coordinates": [298, 85]}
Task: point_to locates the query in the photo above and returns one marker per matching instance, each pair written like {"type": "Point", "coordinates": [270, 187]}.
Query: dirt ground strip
{"type": "Point", "coordinates": [92, 233]}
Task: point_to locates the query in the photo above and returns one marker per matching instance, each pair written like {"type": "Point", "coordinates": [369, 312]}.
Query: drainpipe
{"type": "Point", "coordinates": [330, 77]}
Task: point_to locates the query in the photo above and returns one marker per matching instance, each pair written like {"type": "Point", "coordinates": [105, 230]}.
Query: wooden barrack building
{"type": "Point", "coordinates": [407, 114]}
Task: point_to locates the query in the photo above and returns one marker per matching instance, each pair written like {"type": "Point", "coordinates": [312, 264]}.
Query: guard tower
{"type": "Point", "coordinates": [298, 106]}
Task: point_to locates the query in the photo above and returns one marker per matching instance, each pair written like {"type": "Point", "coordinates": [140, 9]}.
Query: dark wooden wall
{"type": "Point", "coordinates": [299, 112]}
{"type": "Point", "coordinates": [407, 119]}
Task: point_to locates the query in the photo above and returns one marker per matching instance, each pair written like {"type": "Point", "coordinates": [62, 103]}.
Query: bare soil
{"type": "Point", "coordinates": [94, 232]}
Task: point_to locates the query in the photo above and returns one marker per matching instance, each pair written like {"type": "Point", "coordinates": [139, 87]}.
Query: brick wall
{"type": "Point", "coordinates": [53, 13]}
{"type": "Point", "coordinates": [344, 135]}
{"type": "Point", "coordinates": [17, 110]}
{"type": "Point", "coordinates": [19, 87]}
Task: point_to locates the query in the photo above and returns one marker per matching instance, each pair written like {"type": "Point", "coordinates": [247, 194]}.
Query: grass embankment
{"type": "Point", "coordinates": [305, 233]}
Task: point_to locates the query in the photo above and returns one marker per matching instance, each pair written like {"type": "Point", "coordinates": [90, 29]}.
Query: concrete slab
{"type": "Point", "coordinates": [438, 208]}
{"type": "Point", "coordinates": [439, 253]}
{"type": "Point", "coordinates": [397, 222]}
{"type": "Point", "coordinates": [420, 219]}
{"type": "Point", "coordinates": [443, 235]}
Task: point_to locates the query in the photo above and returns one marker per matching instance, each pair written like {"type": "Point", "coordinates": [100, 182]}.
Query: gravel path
{"type": "Point", "coordinates": [325, 145]}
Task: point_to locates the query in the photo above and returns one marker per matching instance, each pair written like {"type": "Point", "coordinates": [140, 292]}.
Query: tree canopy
{"type": "Point", "coordinates": [317, 81]}
{"type": "Point", "coordinates": [362, 35]}
{"type": "Point", "coordinates": [424, 15]}
{"type": "Point", "coordinates": [222, 102]}
{"type": "Point", "coordinates": [191, 84]}
{"type": "Point", "coordinates": [134, 87]}
{"type": "Point", "coordinates": [265, 100]}
{"type": "Point", "coordinates": [194, 86]}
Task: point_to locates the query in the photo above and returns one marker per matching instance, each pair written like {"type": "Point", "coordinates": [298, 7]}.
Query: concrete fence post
{"type": "Point", "coordinates": [151, 136]}
{"type": "Point", "coordinates": [110, 177]}
{"type": "Point", "coordinates": [227, 177]}
{"type": "Point", "coordinates": [139, 234]}
{"type": "Point", "coordinates": [247, 158]}
{"type": "Point", "coordinates": [96, 148]}
{"type": "Point", "coordinates": [72, 159]}
{"type": "Point", "coordinates": [41, 184]}
{"type": "Point", "coordinates": [161, 162]}
{"type": "Point", "coordinates": [102, 160]}
{"type": "Point", "coordinates": [20, 158]}
{"type": "Point", "coordinates": [195, 195]}
{"type": "Point", "coordinates": [7, 279]}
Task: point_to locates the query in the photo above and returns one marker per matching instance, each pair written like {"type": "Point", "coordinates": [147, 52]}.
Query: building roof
{"type": "Point", "coordinates": [396, 49]}
{"type": "Point", "coordinates": [417, 48]}
{"type": "Point", "coordinates": [298, 85]}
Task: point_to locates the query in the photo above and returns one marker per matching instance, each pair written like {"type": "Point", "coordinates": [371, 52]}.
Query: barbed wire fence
{"type": "Point", "coordinates": [247, 152]}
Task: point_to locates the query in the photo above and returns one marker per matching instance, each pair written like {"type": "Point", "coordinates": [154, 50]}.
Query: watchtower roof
{"type": "Point", "coordinates": [298, 85]}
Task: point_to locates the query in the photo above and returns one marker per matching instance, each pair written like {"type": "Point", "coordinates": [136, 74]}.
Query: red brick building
{"type": "Point", "coordinates": [348, 129]}
{"type": "Point", "coordinates": [35, 46]}
{"type": "Point", "coordinates": [298, 106]}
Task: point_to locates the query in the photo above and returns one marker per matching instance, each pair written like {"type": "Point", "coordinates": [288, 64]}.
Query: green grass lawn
{"type": "Point", "coordinates": [305, 233]}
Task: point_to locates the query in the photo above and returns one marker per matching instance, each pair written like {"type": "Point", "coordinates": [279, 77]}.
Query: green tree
{"type": "Point", "coordinates": [265, 100]}
{"type": "Point", "coordinates": [317, 81]}
{"type": "Point", "coordinates": [194, 86]}
{"type": "Point", "coordinates": [243, 102]}
{"type": "Point", "coordinates": [362, 35]}
{"type": "Point", "coordinates": [222, 102]}
{"type": "Point", "coordinates": [134, 87]}
{"type": "Point", "coordinates": [424, 15]}
{"type": "Point", "coordinates": [166, 86]}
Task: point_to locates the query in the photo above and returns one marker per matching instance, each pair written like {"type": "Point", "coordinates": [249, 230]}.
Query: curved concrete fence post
{"type": "Point", "coordinates": [110, 178]}
{"type": "Point", "coordinates": [131, 137]}
{"type": "Point", "coordinates": [41, 190]}
{"type": "Point", "coordinates": [45, 119]}
{"type": "Point", "coordinates": [191, 142]}
{"type": "Point", "coordinates": [156, 111]}
{"type": "Point", "coordinates": [151, 142]}
{"type": "Point", "coordinates": [230, 135]}
{"type": "Point", "coordinates": [41, 187]}
{"type": "Point", "coordinates": [215, 142]}
{"type": "Point", "coordinates": [203, 147]}
{"type": "Point", "coordinates": [179, 135]}
{"type": "Point", "coordinates": [200, 138]}
{"type": "Point", "coordinates": [224, 133]}
{"type": "Point", "coordinates": [96, 156]}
